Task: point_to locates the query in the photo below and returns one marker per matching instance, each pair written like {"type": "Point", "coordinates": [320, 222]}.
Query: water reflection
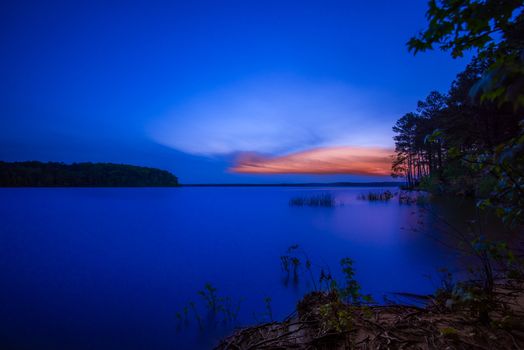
{"type": "Point", "coordinates": [110, 268]}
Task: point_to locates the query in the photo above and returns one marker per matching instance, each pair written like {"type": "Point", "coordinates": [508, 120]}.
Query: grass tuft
{"type": "Point", "coordinates": [374, 196]}
{"type": "Point", "coordinates": [322, 200]}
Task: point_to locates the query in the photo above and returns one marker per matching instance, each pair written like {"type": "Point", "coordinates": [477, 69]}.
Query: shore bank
{"type": "Point", "coordinates": [321, 321]}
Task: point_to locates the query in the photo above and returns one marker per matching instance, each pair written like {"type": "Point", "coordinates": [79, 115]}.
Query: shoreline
{"type": "Point", "coordinates": [393, 326]}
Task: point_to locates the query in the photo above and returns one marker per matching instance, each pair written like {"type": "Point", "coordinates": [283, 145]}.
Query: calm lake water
{"type": "Point", "coordinates": [110, 268]}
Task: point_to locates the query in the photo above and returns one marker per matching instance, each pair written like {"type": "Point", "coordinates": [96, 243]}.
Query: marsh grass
{"type": "Point", "coordinates": [377, 196]}
{"type": "Point", "coordinates": [322, 200]}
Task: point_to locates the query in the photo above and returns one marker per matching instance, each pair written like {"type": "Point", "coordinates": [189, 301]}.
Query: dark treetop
{"type": "Point", "coordinates": [38, 174]}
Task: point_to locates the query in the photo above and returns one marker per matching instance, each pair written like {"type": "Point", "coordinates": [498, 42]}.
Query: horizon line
{"type": "Point", "coordinates": [304, 184]}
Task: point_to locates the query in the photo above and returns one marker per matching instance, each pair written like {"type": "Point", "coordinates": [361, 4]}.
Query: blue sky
{"type": "Point", "coordinates": [189, 86]}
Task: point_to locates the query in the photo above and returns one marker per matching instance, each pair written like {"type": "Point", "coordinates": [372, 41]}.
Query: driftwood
{"type": "Point", "coordinates": [391, 327]}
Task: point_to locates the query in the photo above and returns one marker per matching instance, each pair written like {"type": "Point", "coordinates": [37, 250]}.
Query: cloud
{"type": "Point", "coordinates": [326, 160]}
{"type": "Point", "coordinates": [277, 116]}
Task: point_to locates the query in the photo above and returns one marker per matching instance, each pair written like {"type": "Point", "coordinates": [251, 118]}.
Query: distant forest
{"type": "Point", "coordinates": [39, 174]}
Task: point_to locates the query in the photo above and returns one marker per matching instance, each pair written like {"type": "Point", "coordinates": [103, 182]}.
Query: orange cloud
{"type": "Point", "coordinates": [324, 160]}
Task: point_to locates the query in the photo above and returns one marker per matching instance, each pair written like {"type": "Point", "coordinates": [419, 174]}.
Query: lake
{"type": "Point", "coordinates": [110, 268]}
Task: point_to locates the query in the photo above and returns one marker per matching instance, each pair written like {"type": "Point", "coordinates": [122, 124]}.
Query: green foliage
{"type": "Point", "coordinates": [481, 141]}
{"type": "Point", "coordinates": [431, 183]}
{"type": "Point", "coordinates": [336, 316]}
{"type": "Point", "coordinates": [348, 290]}
{"type": "Point", "coordinates": [38, 174]}
{"type": "Point", "coordinates": [340, 299]}
{"type": "Point", "coordinates": [461, 25]}
{"type": "Point", "coordinates": [477, 293]}
{"type": "Point", "coordinates": [346, 298]}
{"type": "Point", "coordinates": [478, 143]}
{"type": "Point", "coordinates": [506, 165]}
{"type": "Point", "coordinates": [417, 155]}
{"type": "Point", "coordinates": [351, 290]}
{"type": "Point", "coordinates": [498, 254]}
{"type": "Point", "coordinates": [491, 28]}
{"type": "Point", "coordinates": [435, 140]}
{"type": "Point", "coordinates": [473, 297]}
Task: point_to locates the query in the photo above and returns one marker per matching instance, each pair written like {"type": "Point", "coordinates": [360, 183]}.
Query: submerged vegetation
{"type": "Point", "coordinates": [38, 174]}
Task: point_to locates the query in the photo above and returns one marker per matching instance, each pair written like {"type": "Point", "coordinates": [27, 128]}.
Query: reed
{"type": "Point", "coordinates": [322, 200]}
{"type": "Point", "coordinates": [376, 196]}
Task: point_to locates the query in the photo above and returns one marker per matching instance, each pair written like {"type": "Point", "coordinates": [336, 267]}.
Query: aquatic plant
{"type": "Point", "coordinates": [214, 304]}
{"type": "Point", "coordinates": [209, 294]}
{"type": "Point", "coordinates": [343, 299]}
{"type": "Point", "coordinates": [326, 280]}
{"type": "Point", "coordinates": [376, 196]}
{"type": "Point", "coordinates": [351, 290]}
{"type": "Point", "coordinates": [324, 320]}
{"type": "Point", "coordinates": [292, 260]}
{"type": "Point", "coordinates": [321, 200]}
{"type": "Point", "coordinates": [347, 291]}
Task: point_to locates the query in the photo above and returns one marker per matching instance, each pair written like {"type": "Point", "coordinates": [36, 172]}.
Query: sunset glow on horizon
{"type": "Point", "coordinates": [276, 85]}
{"type": "Point", "coordinates": [324, 160]}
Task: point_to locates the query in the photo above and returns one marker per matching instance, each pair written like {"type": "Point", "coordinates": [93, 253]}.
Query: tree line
{"type": "Point", "coordinates": [470, 140]}
{"type": "Point", "coordinates": [431, 142]}
{"type": "Point", "coordinates": [52, 174]}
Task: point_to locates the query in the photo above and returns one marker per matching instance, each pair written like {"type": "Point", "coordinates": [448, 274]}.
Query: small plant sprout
{"type": "Point", "coordinates": [294, 258]}
{"type": "Point", "coordinates": [351, 290]}
{"type": "Point", "coordinates": [214, 304]}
